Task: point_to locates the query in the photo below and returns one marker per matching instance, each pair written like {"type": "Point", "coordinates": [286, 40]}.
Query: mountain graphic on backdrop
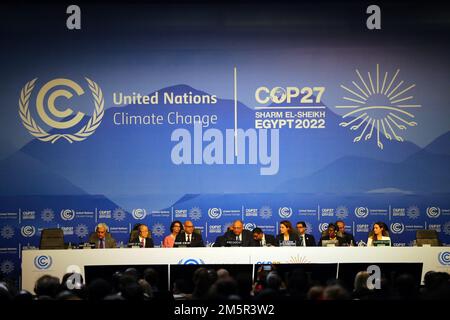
{"type": "Point", "coordinates": [127, 160]}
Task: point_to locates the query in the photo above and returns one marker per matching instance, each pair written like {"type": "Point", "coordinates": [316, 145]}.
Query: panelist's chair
{"type": "Point", "coordinates": [427, 237]}
{"type": "Point", "coordinates": [134, 233]}
{"type": "Point", "coordinates": [52, 239]}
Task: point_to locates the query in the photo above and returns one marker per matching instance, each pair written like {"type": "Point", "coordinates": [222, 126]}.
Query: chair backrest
{"type": "Point", "coordinates": [198, 231]}
{"type": "Point", "coordinates": [52, 239]}
{"type": "Point", "coordinates": [429, 237]}
{"type": "Point", "coordinates": [133, 234]}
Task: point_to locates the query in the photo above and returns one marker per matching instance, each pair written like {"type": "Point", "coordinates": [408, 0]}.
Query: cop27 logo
{"type": "Point", "coordinates": [43, 262]}
{"type": "Point", "coordinates": [444, 258]}
{"type": "Point", "coordinates": [191, 261]}
{"type": "Point", "coordinates": [285, 212]}
{"type": "Point", "coordinates": [380, 107]}
{"type": "Point", "coordinates": [361, 212]}
{"type": "Point", "coordinates": [67, 119]}
{"type": "Point", "coordinates": [214, 213]}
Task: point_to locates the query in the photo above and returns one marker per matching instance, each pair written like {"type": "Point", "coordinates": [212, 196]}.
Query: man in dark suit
{"type": "Point", "coordinates": [101, 238]}
{"type": "Point", "coordinates": [349, 240]}
{"type": "Point", "coordinates": [263, 240]}
{"type": "Point", "coordinates": [188, 238]}
{"type": "Point", "coordinates": [143, 237]}
{"type": "Point", "coordinates": [239, 237]}
{"type": "Point", "coordinates": [306, 240]}
{"type": "Point", "coordinates": [331, 234]}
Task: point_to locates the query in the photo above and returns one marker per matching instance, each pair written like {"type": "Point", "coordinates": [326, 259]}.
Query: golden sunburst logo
{"type": "Point", "coordinates": [379, 107]}
{"type": "Point", "coordinates": [299, 259]}
{"type": "Point", "coordinates": [36, 130]}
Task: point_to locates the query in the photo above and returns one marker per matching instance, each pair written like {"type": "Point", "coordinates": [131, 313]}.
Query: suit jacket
{"type": "Point", "coordinates": [327, 237]}
{"type": "Point", "coordinates": [348, 238]}
{"type": "Point", "coordinates": [247, 238]}
{"type": "Point", "coordinates": [109, 241]}
{"type": "Point", "coordinates": [310, 241]}
{"type": "Point", "coordinates": [148, 241]}
{"type": "Point", "coordinates": [196, 240]}
{"type": "Point", "coordinates": [220, 242]}
{"type": "Point", "coordinates": [292, 237]}
{"type": "Point", "coordinates": [270, 240]}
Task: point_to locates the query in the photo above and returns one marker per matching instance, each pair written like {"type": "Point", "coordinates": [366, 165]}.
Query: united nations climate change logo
{"type": "Point", "coordinates": [43, 262]}
{"type": "Point", "coordinates": [60, 126]}
{"type": "Point", "coordinates": [285, 212]}
{"type": "Point", "coordinates": [397, 227]}
{"type": "Point", "coordinates": [323, 227]}
{"type": "Point", "coordinates": [28, 231]}
{"type": "Point", "coordinates": [191, 261]}
{"type": "Point", "coordinates": [214, 213]}
{"type": "Point", "coordinates": [250, 226]}
{"type": "Point", "coordinates": [444, 258]}
{"type": "Point", "coordinates": [380, 107]}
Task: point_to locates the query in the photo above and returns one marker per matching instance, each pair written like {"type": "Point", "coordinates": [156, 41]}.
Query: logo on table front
{"type": "Point", "coordinates": [67, 214]}
{"type": "Point", "coordinates": [43, 262]}
{"type": "Point", "coordinates": [7, 232]}
{"type": "Point", "coordinates": [28, 231]}
{"type": "Point", "coordinates": [341, 212]}
{"type": "Point", "coordinates": [250, 226]}
{"type": "Point", "coordinates": [413, 212]}
{"type": "Point", "coordinates": [191, 261]}
{"type": "Point", "coordinates": [7, 267]}
{"type": "Point", "coordinates": [47, 215]}
{"type": "Point", "coordinates": [285, 212]}
{"type": "Point", "coordinates": [139, 214]}
{"type": "Point", "coordinates": [195, 213]}
{"type": "Point", "coordinates": [214, 213]}
{"type": "Point", "coordinates": [380, 107]}
{"type": "Point", "coordinates": [81, 231]}
{"type": "Point", "coordinates": [323, 227]}
{"type": "Point", "coordinates": [397, 227]}
{"type": "Point", "coordinates": [444, 258]}
{"type": "Point", "coordinates": [67, 118]}
{"type": "Point", "coordinates": [119, 214]}
{"type": "Point", "coordinates": [265, 212]}
{"type": "Point", "coordinates": [433, 212]}
{"type": "Point", "coordinates": [361, 212]}
{"type": "Point", "coordinates": [158, 229]}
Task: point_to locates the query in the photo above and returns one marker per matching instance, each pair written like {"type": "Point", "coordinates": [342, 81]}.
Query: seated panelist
{"type": "Point", "coordinates": [143, 237]}
{"type": "Point", "coordinates": [101, 238]}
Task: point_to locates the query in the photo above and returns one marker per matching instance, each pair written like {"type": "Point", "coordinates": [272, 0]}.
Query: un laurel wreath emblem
{"type": "Point", "coordinates": [35, 130]}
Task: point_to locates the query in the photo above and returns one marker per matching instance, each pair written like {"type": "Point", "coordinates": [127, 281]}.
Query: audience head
{"type": "Point", "coordinates": [47, 286]}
